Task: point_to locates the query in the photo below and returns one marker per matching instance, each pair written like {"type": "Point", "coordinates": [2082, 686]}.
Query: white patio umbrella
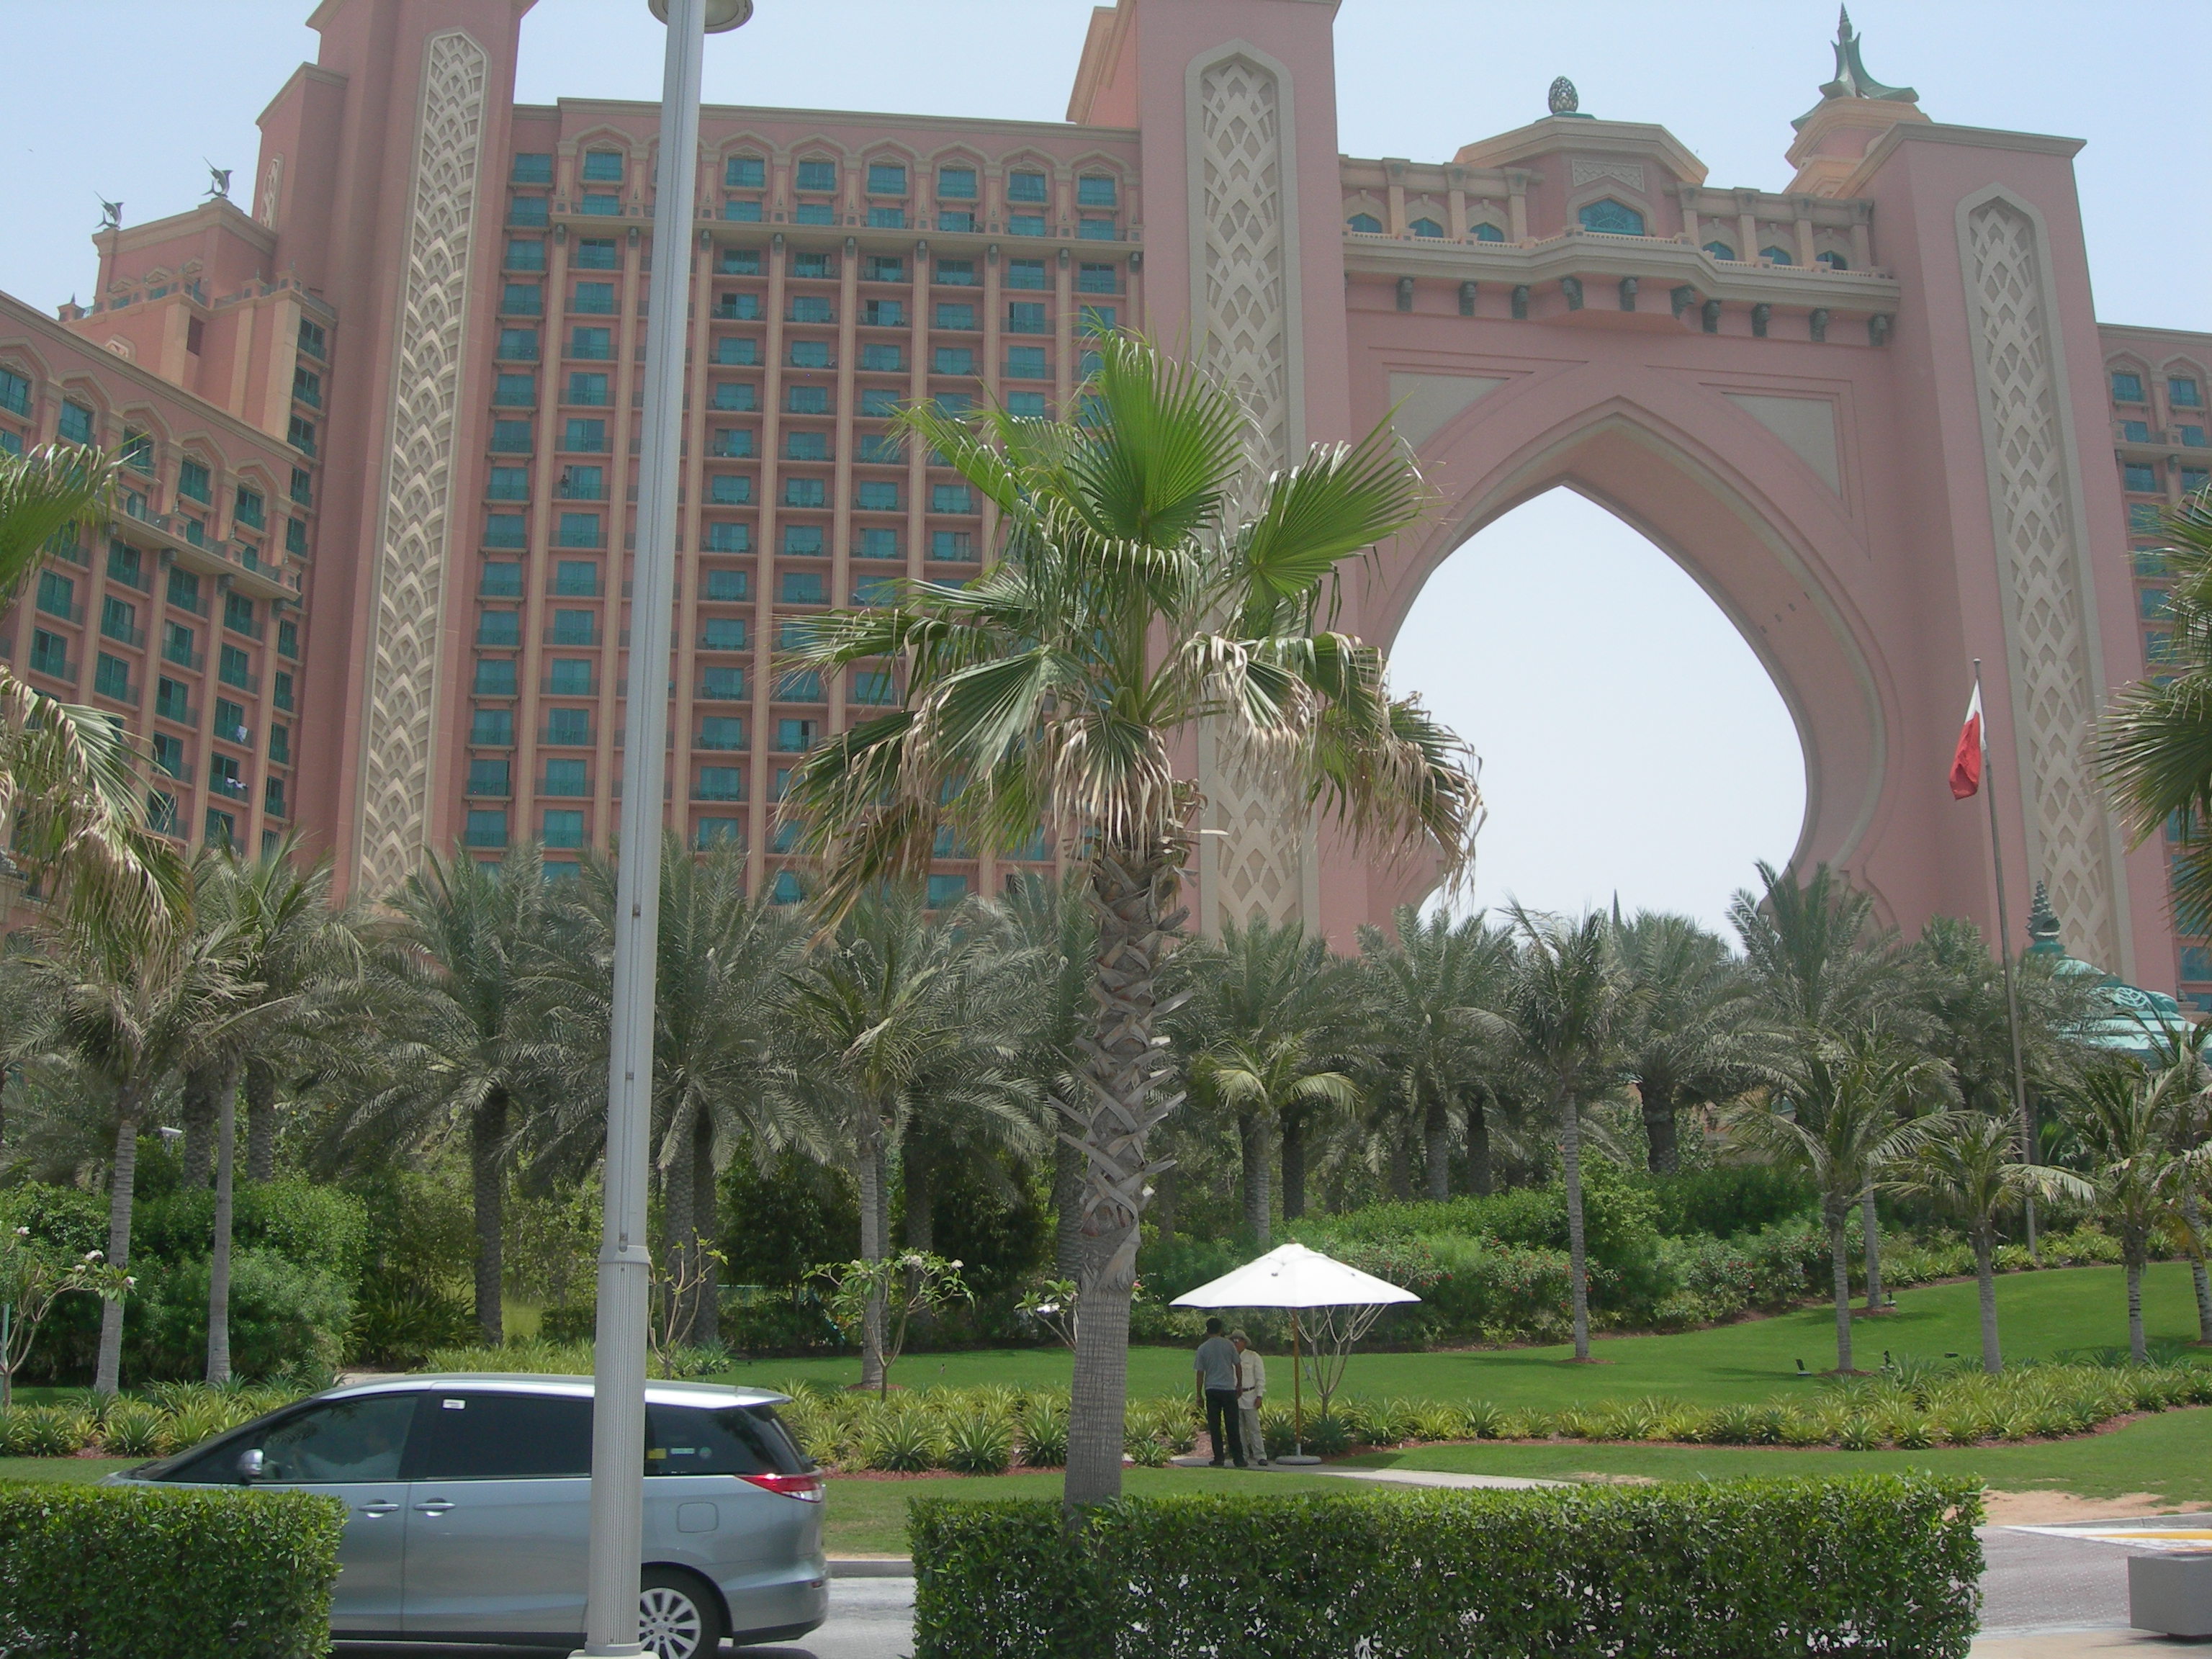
{"type": "Point", "coordinates": [1294, 1277]}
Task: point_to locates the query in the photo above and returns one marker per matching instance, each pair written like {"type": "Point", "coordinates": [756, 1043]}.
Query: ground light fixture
{"type": "Point", "coordinates": [625, 1276]}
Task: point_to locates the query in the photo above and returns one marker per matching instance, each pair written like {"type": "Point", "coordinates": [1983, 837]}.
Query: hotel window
{"type": "Point", "coordinates": [956, 219]}
{"type": "Point", "coordinates": [501, 579]}
{"type": "Point", "coordinates": [738, 262]}
{"type": "Point", "coordinates": [287, 640]}
{"type": "Point", "coordinates": [2127, 387]}
{"type": "Point", "coordinates": [2194, 478]}
{"type": "Point", "coordinates": [303, 486]}
{"type": "Point", "coordinates": [2143, 519]}
{"type": "Point", "coordinates": [2192, 437]}
{"type": "Point", "coordinates": [595, 253]}
{"type": "Point", "coordinates": [800, 587]}
{"type": "Point", "coordinates": [568, 677]}
{"type": "Point", "coordinates": [2183, 393]}
{"type": "Point", "coordinates": [734, 442]}
{"type": "Point", "coordinates": [737, 396]}
{"type": "Point", "coordinates": [137, 451]}
{"type": "Point", "coordinates": [729, 539]}
{"type": "Point", "coordinates": [509, 483]}
{"type": "Point", "coordinates": [533, 169]}
{"type": "Point", "coordinates": [528, 213]}
{"type": "Point", "coordinates": [951, 498]}
{"type": "Point", "coordinates": [1025, 273]}
{"type": "Point", "coordinates": [957, 184]}
{"type": "Point", "coordinates": [499, 628]}
{"type": "Point", "coordinates": [192, 480]}
{"type": "Point", "coordinates": [2140, 477]}
{"type": "Point", "coordinates": [807, 400]}
{"type": "Point", "coordinates": [171, 701]}
{"type": "Point", "coordinates": [280, 744]}
{"type": "Point", "coordinates": [810, 354]}
{"type": "Point", "coordinates": [602, 167]}
{"type": "Point", "coordinates": [786, 890]}
{"type": "Point", "coordinates": [738, 308]}
{"type": "Point", "coordinates": [518, 345]}
{"type": "Point", "coordinates": [884, 313]}
{"type": "Point", "coordinates": [1026, 363]}
{"type": "Point", "coordinates": [238, 615]}
{"type": "Point", "coordinates": [816, 175]}
{"type": "Point", "coordinates": [1096, 279]}
{"type": "Point", "coordinates": [1834, 261]}
{"type": "Point", "coordinates": [745, 173]}
{"type": "Point", "coordinates": [805, 686]}
{"type": "Point", "coordinates": [495, 676]}
{"type": "Point", "coordinates": [803, 540]}
{"type": "Point", "coordinates": [956, 273]}
{"type": "Point", "coordinates": [1615, 218]}
{"type": "Point", "coordinates": [601, 204]}
{"type": "Point", "coordinates": [14, 392]}
{"type": "Point", "coordinates": [952, 546]}
{"type": "Point", "coordinates": [488, 778]}
{"type": "Point", "coordinates": [730, 490]}
{"type": "Point", "coordinates": [876, 496]}
{"type": "Point", "coordinates": [591, 344]}
{"type": "Point", "coordinates": [944, 891]}
{"type": "Point", "coordinates": [1092, 228]}
{"type": "Point", "coordinates": [1025, 224]}
{"type": "Point", "coordinates": [804, 492]}
{"type": "Point", "coordinates": [2135, 431]}
{"type": "Point", "coordinates": [719, 832]}
{"type": "Point", "coordinates": [516, 299]}
{"type": "Point", "coordinates": [492, 728]}
{"type": "Point", "coordinates": [593, 299]}
{"type": "Point", "coordinates": [296, 537]}
{"type": "Point", "coordinates": [111, 679]}
{"type": "Point", "coordinates": [580, 435]}
{"type": "Point", "coordinates": [1094, 320]}
{"type": "Point", "coordinates": [883, 268]}
{"type": "Point", "coordinates": [126, 564]}
{"type": "Point", "coordinates": [223, 828]}
{"type": "Point", "coordinates": [515, 391]}
{"type": "Point", "coordinates": [806, 446]}
{"type": "Point", "coordinates": [1095, 190]}
{"type": "Point", "coordinates": [573, 627]}
{"type": "Point", "coordinates": [567, 778]}
{"type": "Point", "coordinates": [504, 530]}
{"type": "Point", "coordinates": [722, 732]}
{"type": "Point", "coordinates": [878, 543]}
{"type": "Point", "coordinates": [75, 424]}
{"type": "Point", "coordinates": [582, 483]}
{"type": "Point", "coordinates": [577, 579]}
{"type": "Point", "coordinates": [562, 828]}
{"type": "Point", "coordinates": [1026, 317]}
{"type": "Point", "coordinates": [742, 209]}
{"type": "Point", "coordinates": [722, 684]}
{"type": "Point", "coordinates": [875, 591]}
{"type": "Point", "coordinates": [737, 351]}
{"type": "Point", "coordinates": [812, 308]}
{"type": "Point", "coordinates": [527, 253]}
{"type": "Point", "coordinates": [1776, 256]}
{"type": "Point", "coordinates": [886, 179]}
{"type": "Point", "coordinates": [796, 737]}
{"type": "Point", "coordinates": [272, 800]}
{"type": "Point", "coordinates": [1365, 224]}
{"type": "Point", "coordinates": [880, 401]}
{"type": "Point", "coordinates": [952, 360]}
{"type": "Point", "coordinates": [249, 510]}
{"type": "Point", "coordinates": [728, 586]}
{"type": "Point", "coordinates": [485, 828]}
{"type": "Point", "coordinates": [280, 689]}
{"type": "Point", "coordinates": [1425, 227]}
{"type": "Point", "coordinates": [589, 387]}
{"type": "Point", "coordinates": [873, 688]}
{"type": "Point", "coordinates": [1024, 186]}
{"type": "Point", "coordinates": [882, 358]}
{"type": "Point", "coordinates": [580, 529]}
{"type": "Point", "coordinates": [511, 437]}
{"type": "Point", "coordinates": [568, 728]}
{"type": "Point", "coordinates": [1026, 405]}
{"type": "Point", "coordinates": [722, 634]}
{"type": "Point", "coordinates": [185, 592]}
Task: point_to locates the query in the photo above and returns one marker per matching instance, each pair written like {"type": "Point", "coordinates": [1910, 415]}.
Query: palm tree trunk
{"type": "Point", "coordinates": [917, 1181]}
{"type": "Point", "coordinates": [1066, 1209]}
{"type": "Point", "coordinates": [1131, 892]}
{"type": "Point", "coordinates": [1571, 1161]}
{"type": "Point", "coordinates": [707, 1228]}
{"type": "Point", "coordinates": [1839, 1260]}
{"type": "Point", "coordinates": [1401, 1166]}
{"type": "Point", "coordinates": [1870, 1226]}
{"type": "Point", "coordinates": [1436, 1148]}
{"type": "Point", "coordinates": [1478, 1174]}
{"type": "Point", "coordinates": [197, 1108]}
{"type": "Point", "coordinates": [260, 1120]}
{"type": "Point", "coordinates": [872, 1242]}
{"type": "Point", "coordinates": [487, 1168]}
{"type": "Point", "coordinates": [226, 1150]}
{"type": "Point", "coordinates": [1294, 1165]}
{"type": "Point", "coordinates": [1985, 1277]}
{"type": "Point", "coordinates": [2192, 1212]}
{"type": "Point", "coordinates": [2136, 1350]}
{"type": "Point", "coordinates": [122, 1184]}
{"type": "Point", "coordinates": [681, 1233]}
{"type": "Point", "coordinates": [1252, 1150]}
{"type": "Point", "coordinates": [1662, 1153]}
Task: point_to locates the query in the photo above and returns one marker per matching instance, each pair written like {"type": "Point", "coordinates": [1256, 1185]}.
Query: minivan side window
{"type": "Point", "coordinates": [720, 1440]}
{"type": "Point", "coordinates": [503, 1437]}
{"type": "Point", "coordinates": [334, 1443]}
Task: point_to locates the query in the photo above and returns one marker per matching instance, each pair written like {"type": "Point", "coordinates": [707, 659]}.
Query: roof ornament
{"type": "Point", "coordinates": [2043, 923]}
{"type": "Point", "coordinates": [218, 183]}
{"type": "Point", "coordinates": [1852, 80]}
{"type": "Point", "coordinates": [1564, 100]}
{"type": "Point", "coordinates": [110, 214]}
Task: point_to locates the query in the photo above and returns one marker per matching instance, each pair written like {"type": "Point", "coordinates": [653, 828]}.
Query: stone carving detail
{"type": "Point", "coordinates": [1585, 171]}
{"type": "Point", "coordinates": [1259, 865]}
{"type": "Point", "coordinates": [2054, 693]}
{"type": "Point", "coordinates": [269, 203]}
{"type": "Point", "coordinates": [417, 515]}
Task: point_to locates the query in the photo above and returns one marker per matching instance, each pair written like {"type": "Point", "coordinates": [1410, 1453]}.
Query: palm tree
{"type": "Point", "coordinates": [890, 1006]}
{"type": "Point", "coordinates": [132, 1007]}
{"type": "Point", "coordinates": [1567, 1007]}
{"type": "Point", "coordinates": [1835, 1117]}
{"type": "Point", "coordinates": [72, 785]}
{"type": "Point", "coordinates": [1821, 970]}
{"type": "Point", "coordinates": [1136, 594]}
{"type": "Point", "coordinates": [469, 990]}
{"type": "Point", "coordinates": [1969, 1165]}
{"type": "Point", "coordinates": [1689, 1040]}
{"type": "Point", "coordinates": [2158, 731]}
{"type": "Point", "coordinates": [718, 986]}
{"type": "Point", "coordinates": [2122, 1119]}
{"type": "Point", "coordinates": [1046, 938]}
{"type": "Point", "coordinates": [1432, 996]}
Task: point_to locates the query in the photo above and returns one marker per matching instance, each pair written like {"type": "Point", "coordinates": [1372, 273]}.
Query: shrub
{"type": "Point", "coordinates": [396, 1324]}
{"type": "Point", "coordinates": [1044, 1434]}
{"type": "Point", "coordinates": [167, 1575]}
{"type": "Point", "coordinates": [902, 1442]}
{"type": "Point", "coordinates": [284, 1317]}
{"type": "Point", "coordinates": [48, 1431]}
{"type": "Point", "coordinates": [1886, 1564]}
{"type": "Point", "coordinates": [980, 1443]}
{"type": "Point", "coordinates": [309, 1222]}
{"type": "Point", "coordinates": [1728, 1200]}
{"type": "Point", "coordinates": [135, 1428]}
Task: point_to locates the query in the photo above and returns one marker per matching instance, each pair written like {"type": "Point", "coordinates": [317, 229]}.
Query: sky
{"type": "Point", "coordinates": [1603, 777]}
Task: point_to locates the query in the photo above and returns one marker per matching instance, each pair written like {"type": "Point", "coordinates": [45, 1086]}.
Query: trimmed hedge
{"type": "Point", "coordinates": [88, 1572]}
{"type": "Point", "coordinates": [1878, 1565]}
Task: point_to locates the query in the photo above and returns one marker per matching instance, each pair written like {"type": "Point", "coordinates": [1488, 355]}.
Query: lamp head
{"type": "Point", "coordinates": [722, 15]}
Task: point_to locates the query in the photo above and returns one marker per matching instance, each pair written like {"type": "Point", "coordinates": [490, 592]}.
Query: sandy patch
{"type": "Point", "coordinates": [2044, 1509]}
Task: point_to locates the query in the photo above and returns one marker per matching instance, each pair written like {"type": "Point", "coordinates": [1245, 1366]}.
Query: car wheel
{"type": "Point", "coordinates": [677, 1617]}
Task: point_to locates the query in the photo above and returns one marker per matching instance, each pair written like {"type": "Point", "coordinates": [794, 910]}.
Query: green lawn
{"type": "Point", "coordinates": [72, 1469]}
{"type": "Point", "coordinates": [2068, 1313]}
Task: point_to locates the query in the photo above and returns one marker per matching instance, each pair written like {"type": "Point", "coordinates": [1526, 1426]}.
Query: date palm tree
{"type": "Point", "coordinates": [1969, 1167]}
{"type": "Point", "coordinates": [71, 782]}
{"type": "Point", "coordinates": [1834, 1115]}
{"type": "Point", "coordinates": [1690, 1038]}
{"type": "Point", "coordinates": [1149, 579]}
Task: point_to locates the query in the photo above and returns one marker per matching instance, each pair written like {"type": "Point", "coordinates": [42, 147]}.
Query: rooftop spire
{"type": "Point", "coordinates": [1852, 80]}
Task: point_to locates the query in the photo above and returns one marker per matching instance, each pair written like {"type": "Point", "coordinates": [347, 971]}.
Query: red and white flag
{"type": "Point", "coordinates": [1966, 760]}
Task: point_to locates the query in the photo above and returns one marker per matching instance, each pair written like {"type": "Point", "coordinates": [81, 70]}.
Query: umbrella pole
{"type": "Point", "coordinates": [1298, 1401]}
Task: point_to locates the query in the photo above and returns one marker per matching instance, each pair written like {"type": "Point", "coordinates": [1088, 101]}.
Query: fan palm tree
{"type": "Point", "coordinates": [132, 1007]}
{"type": "Point", "coordinates": [1821, 970]}
{"type": "Point", "coordinates": [1969, 1166]}
{"type": "Point", "coordinates": [1691, 1040]}
{"type": "Point", "coordinates": [1566, 1010]}
{"type": "Point", "coordinates": [469, 984]}
{"type": "Point", "coordinates": [892, 1005]}
{"type": "Point", "coordinates": [1834, 1115]}
{"type": "Point", "coordinates": [2123, 1120]}
{"type": "Point", "coordinates": [1146, 582]}
{"type": "Point", "coordinates": [1433, 994]}
{"type": "Point", "coordinates": [72, 784]}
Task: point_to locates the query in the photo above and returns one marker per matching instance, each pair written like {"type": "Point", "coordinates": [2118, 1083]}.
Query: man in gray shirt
{"type": "Point", "coordinates": [1215, 1364]}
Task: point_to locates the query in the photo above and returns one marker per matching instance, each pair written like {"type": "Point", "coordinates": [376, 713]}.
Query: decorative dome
{"type": "Point", "coordinates": [1563, 99]}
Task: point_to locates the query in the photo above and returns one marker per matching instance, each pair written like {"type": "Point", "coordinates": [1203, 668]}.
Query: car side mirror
{"type": "Point", "coordinates": [250, 1464]}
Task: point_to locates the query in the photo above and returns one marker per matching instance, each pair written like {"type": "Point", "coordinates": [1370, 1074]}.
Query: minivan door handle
{"type": "Point", "coordinates": [379, 1506]}
{"type": "Point", "coordinates": [433, 1506]}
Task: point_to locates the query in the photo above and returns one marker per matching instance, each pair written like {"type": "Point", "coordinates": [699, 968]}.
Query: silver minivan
{"type": "Point", "coordinates": [468, 1500]}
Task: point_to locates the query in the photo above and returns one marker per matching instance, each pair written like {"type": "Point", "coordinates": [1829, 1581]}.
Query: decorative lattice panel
{"type": "Point", "coordinates": [2055, 690]}
{"type": "Point", "coordinates": [416, 517]}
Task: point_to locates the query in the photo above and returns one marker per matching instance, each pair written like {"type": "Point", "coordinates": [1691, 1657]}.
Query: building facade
{"type": "Point", "coordinates": [1868, 411]}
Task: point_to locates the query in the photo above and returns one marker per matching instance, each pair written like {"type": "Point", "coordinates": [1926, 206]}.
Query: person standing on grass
{"type": "Point", "coordinates": [1215, 1364]}
{"type": "Point", "coordinates": [1251, 1388]}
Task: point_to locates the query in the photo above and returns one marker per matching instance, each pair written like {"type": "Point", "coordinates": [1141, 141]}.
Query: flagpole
{"type": "Point", "coordinates": [2004, 954]}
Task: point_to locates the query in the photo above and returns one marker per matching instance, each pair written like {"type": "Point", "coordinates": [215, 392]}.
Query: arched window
{"type": "Point", "coordinates": [1365, 224]}
{"type": "Point", "coordinates": [1426, 228]}
{"type": "Point", "coordinates": [1486, 233]}
{"type": "Point", "coordinates": [1776, 256]}
{"type": "Point", "coordinates": [1834, 261]}
{"type": "Point", "coordinates": [1615, 218]}
{"type": "Point", "coordinates": [1720, 250]}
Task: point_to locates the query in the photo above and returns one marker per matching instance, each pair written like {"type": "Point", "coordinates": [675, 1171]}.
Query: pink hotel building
{"type": "Point", "coordinates": [382, 429]}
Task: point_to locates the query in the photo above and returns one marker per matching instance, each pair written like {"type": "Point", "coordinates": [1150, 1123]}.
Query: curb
{"type": "Point", "coordinates": [872, 1566]}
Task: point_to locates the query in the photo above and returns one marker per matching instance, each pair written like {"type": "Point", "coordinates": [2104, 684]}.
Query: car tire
{"type": "Point", "coordinates": [677, 1616]}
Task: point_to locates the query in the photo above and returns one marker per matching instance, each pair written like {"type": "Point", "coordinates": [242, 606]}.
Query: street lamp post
{"type": "Point", "coordinates": [625, 1282]}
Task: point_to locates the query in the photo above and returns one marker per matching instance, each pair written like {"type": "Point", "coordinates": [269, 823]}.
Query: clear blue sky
{"type": "Point", "coordinates": [1536, 639]}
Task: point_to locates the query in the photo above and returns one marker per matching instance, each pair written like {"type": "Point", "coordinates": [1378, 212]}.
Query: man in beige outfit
{"type": "Point", "coordinates": [1251, 1389]}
